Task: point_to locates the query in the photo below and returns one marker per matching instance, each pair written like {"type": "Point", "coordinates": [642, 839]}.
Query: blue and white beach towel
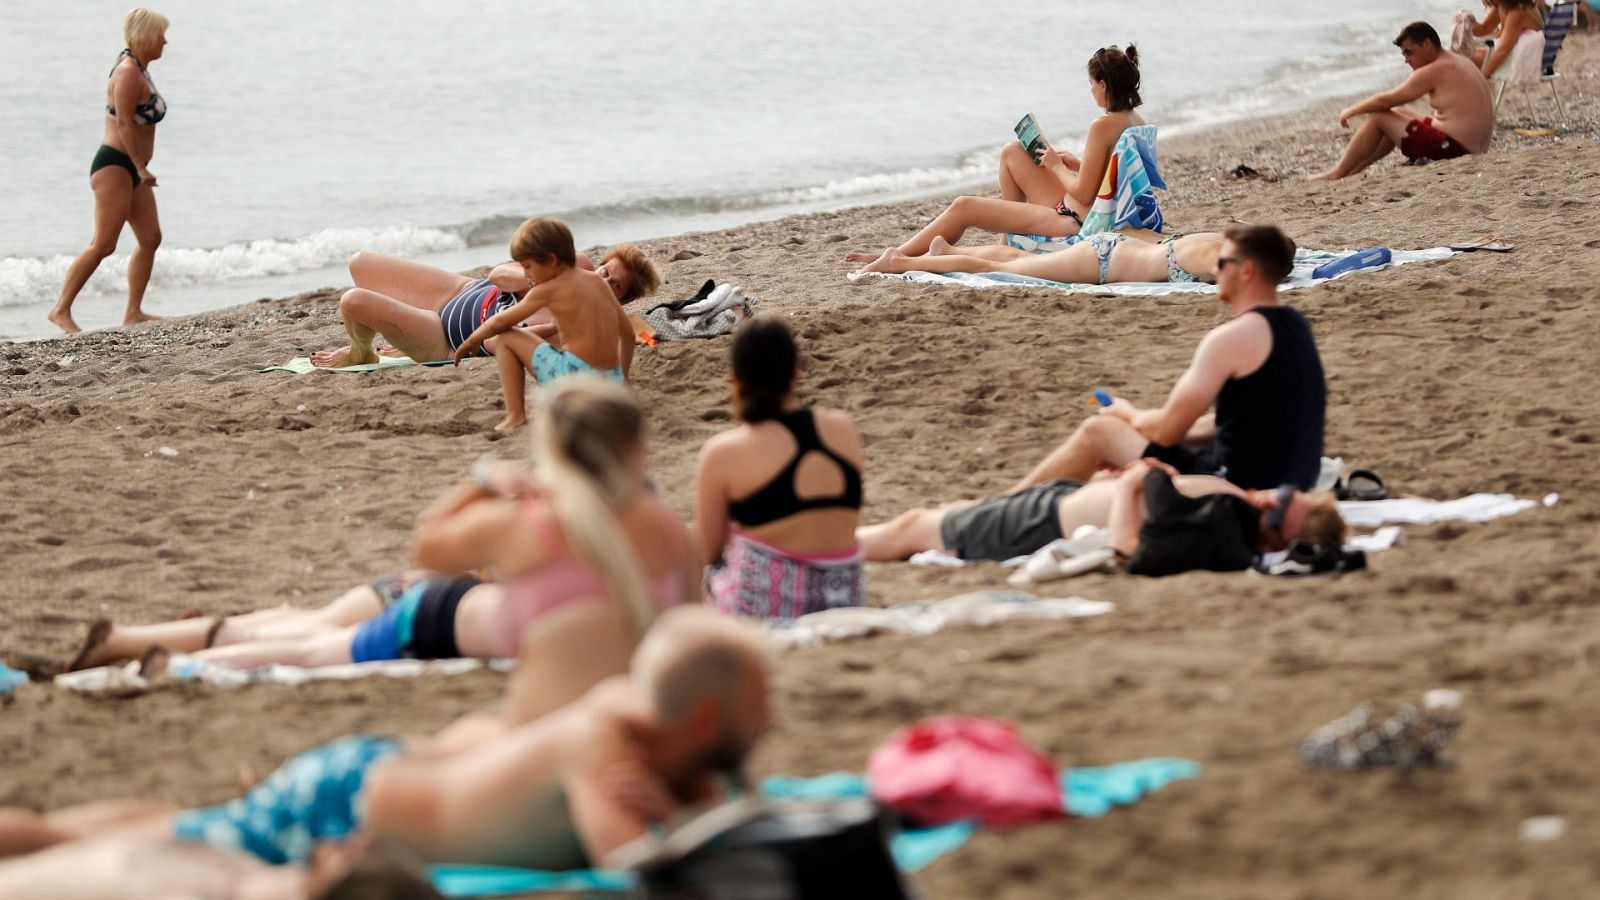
{"type": "Point", "coordinates": [1127, 197]}
{"type": "Point", "coordinates": [1126, 200]}
{"type": "Point", "coordinates": [1304, 262]}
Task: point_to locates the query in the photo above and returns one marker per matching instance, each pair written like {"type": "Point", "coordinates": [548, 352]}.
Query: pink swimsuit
{"type": "Point", "coordinates": [562, 580]}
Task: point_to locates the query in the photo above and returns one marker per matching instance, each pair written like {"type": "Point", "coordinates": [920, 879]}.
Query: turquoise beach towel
{"type": "Point", "coordinates": [1089, 793]}
{"type": "Point", "coordinates": [301, 365]}
{"type": "Point", "coordinates": [1127, 198]}
{"type": "Point", "coordinates": [1305, 261]}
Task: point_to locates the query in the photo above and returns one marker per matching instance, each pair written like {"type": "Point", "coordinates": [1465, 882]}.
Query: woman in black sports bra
{"type": "Point", "coordinates": [779, 497]}
{"type": "Point", "coordinates": [124, 189]}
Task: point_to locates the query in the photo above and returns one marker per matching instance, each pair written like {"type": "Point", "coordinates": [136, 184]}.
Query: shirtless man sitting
{"type": "Point", "coordinates": [425, 312]}
{"type": "Point", "coordinates": [999, 528]}
{"type": "Point", "coordinates": [1463, 109]}
{"type": "Point", "coordinates": [1260, 371]}
{"type": "Point", "coordinates": [559, 792]}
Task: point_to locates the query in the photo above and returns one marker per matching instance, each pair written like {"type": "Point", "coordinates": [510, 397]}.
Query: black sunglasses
{"type": "Point", "coordinates": [1224, 261]}
{"type": "Point", "coordinates": [1408, 53]}
{"type": "Point", "coordinates": [1275, 515]}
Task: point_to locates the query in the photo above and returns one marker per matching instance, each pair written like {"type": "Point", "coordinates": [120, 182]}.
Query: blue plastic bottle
{"type": "Point", "coordinates": [1361, 259]}
{"type": "Point", "coordinates": [1101, 397]}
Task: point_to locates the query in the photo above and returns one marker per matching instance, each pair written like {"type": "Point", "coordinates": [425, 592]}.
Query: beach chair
{"type": "Point", "coordinates": [1556, 25]}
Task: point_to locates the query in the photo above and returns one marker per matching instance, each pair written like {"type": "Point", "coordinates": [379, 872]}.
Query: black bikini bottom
{"type": "Point", "coordinates": [111, 156]}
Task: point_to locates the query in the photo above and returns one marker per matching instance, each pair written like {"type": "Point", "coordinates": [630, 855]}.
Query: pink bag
{"type": "Point", "coordinates": [948, 768]}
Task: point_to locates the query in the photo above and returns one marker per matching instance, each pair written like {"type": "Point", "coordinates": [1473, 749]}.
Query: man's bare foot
{"type": "Point", "coordinates": [938, 246]}
{"type": "Point", "coordinates": [62, 319]}
{"type": "Point", "coordinates": [94, 652]}
{"type": "Point", "coordinates": [138, 316]}
{"type": "Point", "coordinates": [344, 356]}
{"type": "Point", "coordinates": [892, 262]}
{"type": "Point", "coordinates": [512, 423]}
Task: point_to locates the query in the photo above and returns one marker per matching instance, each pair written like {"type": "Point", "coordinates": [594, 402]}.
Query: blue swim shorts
{"type": "Point", "coordinates": [314, 796]}
{"type": "Point", "coordinates": [550, 364]}
{"type": "Point", "coordinates": [386, 635]}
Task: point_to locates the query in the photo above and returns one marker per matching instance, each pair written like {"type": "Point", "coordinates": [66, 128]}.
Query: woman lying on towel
{"type": "Point", "coordinates": [1160, 523]}
{"type": "Point", "coordinates": [584, 528]}
{"type": "Point", "coordinates": [1098, 259]}
{"type": "Point", "coordinates": [1062, 195]}
{"type": "Point", "coordinates": [779, 497]}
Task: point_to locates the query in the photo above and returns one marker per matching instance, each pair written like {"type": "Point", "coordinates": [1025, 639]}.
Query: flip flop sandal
{"type": "Point", "coordinates": [1488, 244]}
{"type": "Point", "coordinates": [1307, 559]}
{"type": "Point", "coordinates": [1361, 484]}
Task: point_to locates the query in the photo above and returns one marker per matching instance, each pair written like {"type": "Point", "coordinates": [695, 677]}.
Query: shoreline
{"type": "Point", "coordinates": [1449, 377]}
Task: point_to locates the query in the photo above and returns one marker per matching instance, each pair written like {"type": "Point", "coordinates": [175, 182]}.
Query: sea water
{"type": "Point", "coordinates": [300, 131]}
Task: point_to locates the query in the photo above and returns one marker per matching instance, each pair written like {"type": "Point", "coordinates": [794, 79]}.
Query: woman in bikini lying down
{"type": "Point", "coordinates": [587, 510]}
{"type": "Point", "coordinates": [1104, 258]}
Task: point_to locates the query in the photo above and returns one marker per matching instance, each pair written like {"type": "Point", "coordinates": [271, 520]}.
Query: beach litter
{"type": "Point", "coordinates": [1543, 829]}
{"type": "Point", "coordinates": [1407, 737]}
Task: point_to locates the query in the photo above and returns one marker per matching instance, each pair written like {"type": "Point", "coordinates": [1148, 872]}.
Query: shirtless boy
{"type": "Point", "coordinates": [425, 311]}
{"type": "Point", "coordinates": [595, 332]}
{"type": "Point", "coordinates": [1463, 109]}
{"type": "Point", "coordinates": [560, 792]}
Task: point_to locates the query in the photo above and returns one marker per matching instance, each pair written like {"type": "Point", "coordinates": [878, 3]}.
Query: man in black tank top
{"type": "Point", "coordinates": [1260, 371]}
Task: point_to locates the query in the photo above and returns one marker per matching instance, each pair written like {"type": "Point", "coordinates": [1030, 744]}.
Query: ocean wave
{"type": "Point", "coordinates": [29, 280]}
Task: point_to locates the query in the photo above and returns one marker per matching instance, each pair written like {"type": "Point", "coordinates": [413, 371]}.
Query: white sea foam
{"type": "Point", "coordinates": [30, 280]}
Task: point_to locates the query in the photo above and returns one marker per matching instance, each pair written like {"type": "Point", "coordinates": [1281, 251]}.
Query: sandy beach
{"type": "Point", "coordinates": [1470, 374]}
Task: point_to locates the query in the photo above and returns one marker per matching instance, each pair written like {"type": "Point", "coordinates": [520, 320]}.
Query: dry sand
{"type": "Point", "coordinates": [1470, 374]}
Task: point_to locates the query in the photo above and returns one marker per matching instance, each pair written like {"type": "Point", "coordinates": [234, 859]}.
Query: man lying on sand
{"type": "Point", "coordinates": [1261, 371]}
{"type": "Point", "coordinates": [1463, 109]}
{"type": "Point", "coordinates": [426, 312]}
{"type": "Point", "coordinates": [1105, 258]}
{"type": "Point", "coordinates": [1009, 525]}
{"type": "Point", "coordinates": [561, 792]}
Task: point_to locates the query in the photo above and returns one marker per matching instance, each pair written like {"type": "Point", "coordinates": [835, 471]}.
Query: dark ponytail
{"type": "Point", "coordinates": [764, 361]}
{"type": "Point", "coordinates": [1119, 69]}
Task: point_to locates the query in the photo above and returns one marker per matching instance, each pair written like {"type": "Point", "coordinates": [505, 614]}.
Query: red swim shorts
{"type": "Point", "coordinates": [1423, 141]}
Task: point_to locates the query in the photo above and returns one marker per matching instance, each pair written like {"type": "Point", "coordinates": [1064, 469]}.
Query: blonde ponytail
{"type": "Point", "coordinates": [585, 431]}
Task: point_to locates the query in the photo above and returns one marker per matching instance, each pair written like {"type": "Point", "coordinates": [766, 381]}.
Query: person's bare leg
{"type": "Point", "coordinates": [145, 223]}
{"type": "Point", "coordinates": [113, 196]}
{"type": "Point", "coordinates": [107, 642]}
{"type": "Point", "coordinates": [353, 607]}
{"type": "Point", "coordinates": [906, 534]}
{"type": "Point", "coordinates": [1076, 264]}
{"type": "Point", "coordinates": [410, 282]}
{"type": "Point", "coordinates": [996, 252]}
{"type": "Point", "coordinates": [1377, 137]}
{"type": "Point", "coordinates": [414, 331]}
{"type": "Point", "coordinates": [1100, 442]}
{"type": "Point", "coordinates": [988, 214]}
{"type": "Point", "coordinates": [513, 353]}
{"type": "Point", "coordinates": [1021, 180]}
{"type": "Point", "coordinates": [329, 649]}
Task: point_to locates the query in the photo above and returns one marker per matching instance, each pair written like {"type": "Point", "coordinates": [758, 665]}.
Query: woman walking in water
{"type": "Point", "coordinates": [124, 188]}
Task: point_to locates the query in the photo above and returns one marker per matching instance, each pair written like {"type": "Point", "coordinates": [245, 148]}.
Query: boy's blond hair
{"type": "Point", "coordinates": [540, 240]}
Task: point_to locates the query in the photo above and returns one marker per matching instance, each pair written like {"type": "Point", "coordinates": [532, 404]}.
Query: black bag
{"type": "Point", "coordinates": [759, 850]}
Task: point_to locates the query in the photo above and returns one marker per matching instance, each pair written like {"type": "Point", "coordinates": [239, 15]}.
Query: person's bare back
{"type": "Point", "coordinates": [587, 316]}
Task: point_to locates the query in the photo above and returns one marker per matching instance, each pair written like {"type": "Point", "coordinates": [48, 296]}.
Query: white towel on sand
{"type": "Point", "coordinates": [1420, 511]}
{"type": "Point", "coordinates": [1304, 262]}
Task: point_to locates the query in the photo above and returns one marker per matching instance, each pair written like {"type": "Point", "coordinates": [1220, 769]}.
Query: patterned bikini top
{"type": "Point", "coordinates": [153, 109]}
